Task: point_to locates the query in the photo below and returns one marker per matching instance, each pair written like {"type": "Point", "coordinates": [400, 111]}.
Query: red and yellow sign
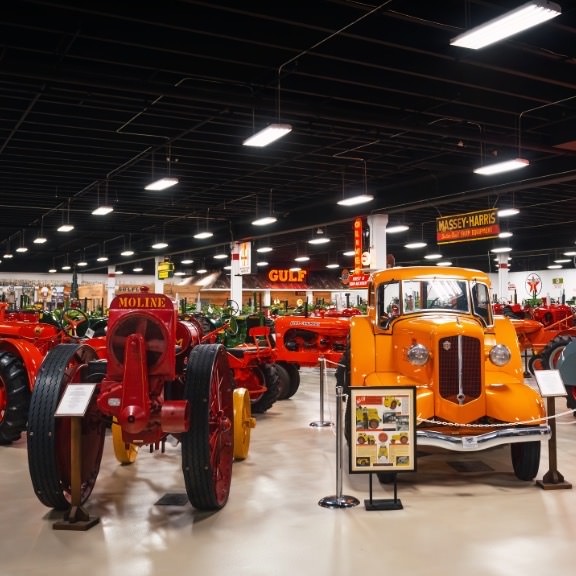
{"type": "Point", "coordinates": [358, 280]}
{"type": "Point", "coordinates": [478, 225]}
{"type": "Point", "coordinates": [358, 225]}
{"type": "Point", "coordinates": [283, 275]}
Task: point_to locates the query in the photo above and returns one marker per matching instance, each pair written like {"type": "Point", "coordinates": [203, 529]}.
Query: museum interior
{"type": "Point", "coordinates": [287, 287]}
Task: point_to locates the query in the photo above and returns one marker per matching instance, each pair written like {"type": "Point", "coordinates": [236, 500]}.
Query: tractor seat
{"type": "Point", "coordinates": [237, 352]}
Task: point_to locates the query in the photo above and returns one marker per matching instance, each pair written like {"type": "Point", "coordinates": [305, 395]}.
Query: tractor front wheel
{"type": "Point", "coordinates": [49, 437]}
{"type": "Point", "coordinates": [14, 397]}
{"type": "Point", "coordinates": [208, 445]}
{"type": "Point", "coordinates": [243, 423]}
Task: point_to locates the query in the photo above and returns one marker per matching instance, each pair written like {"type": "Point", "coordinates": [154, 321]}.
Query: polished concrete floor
{"type": "Point", "coordinates": [475, 519]}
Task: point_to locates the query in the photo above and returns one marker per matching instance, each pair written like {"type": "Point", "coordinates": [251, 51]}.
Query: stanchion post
{"type": "Point", "coordinates": [552, 480]}
{"type": "Point", "coordinates": [322, 422]}
{"type": "Point", "coordinates": [338, 500]}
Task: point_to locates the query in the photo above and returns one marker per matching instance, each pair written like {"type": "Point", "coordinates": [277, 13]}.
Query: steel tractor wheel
{"type": "Point", "coordinates": [535, 363]}
{"type": "Point", "coordinates": [525, 459]}
{"type": "Point", "coordinates": [14, 397]}
{"type": "Point", "coordinates": [49, 437]}
{"type": "Point", "coordinates": [243, 423]}
{"type": "Point", "coordinates": [207, 446]}
{"type": "Point", "coordinates": [125, 453]}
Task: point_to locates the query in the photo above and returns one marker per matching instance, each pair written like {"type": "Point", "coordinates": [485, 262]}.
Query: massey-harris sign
{"type": "Point", "coordinates": [465, 227]}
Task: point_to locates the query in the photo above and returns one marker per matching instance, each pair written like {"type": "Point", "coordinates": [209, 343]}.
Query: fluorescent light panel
{"type": "Point", "coordinates": [162, 184]}
{"type": "Point", "coordinates": [500, 167]}
{"type": "Point", "coordinates": [524, 17]}
{"type": "Point", "coordinates": [102, 210]}
{"type": "Point", "coordinates": [264, 221]}
{"type": "Point", "coordinates": [66, 228]}
{"type": "Point", "coordinates": [355, 200]}
{"type": "Point", "coordinates": [270, 134]}
{"type": "Point", "coordinates": [40, 240]}
{"type": "Point", "coordinates": [203, 235]}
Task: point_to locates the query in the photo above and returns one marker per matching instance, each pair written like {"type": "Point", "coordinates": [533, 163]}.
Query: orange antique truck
{"type": "Point", "coordinates": [432, 328]}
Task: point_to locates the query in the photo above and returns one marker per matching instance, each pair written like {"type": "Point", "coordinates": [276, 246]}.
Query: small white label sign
{"type": "Point", "coordinates": [75, 400]}
{"type": "Point", "coordinates": [550, 383]}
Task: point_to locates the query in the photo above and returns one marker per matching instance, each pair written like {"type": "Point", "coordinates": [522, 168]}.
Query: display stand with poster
{"type": "Point", "coordinates": [383, 435]}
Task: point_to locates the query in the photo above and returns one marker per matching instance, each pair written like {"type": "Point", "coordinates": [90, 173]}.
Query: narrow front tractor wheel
{"type": "Point", "coordinates": [207, 446]}
{"type": "Point", "coordinates": [243, 423]}
{"type": "Point", "coordinates": [14, 397]}
{"type": "Point", "coordinates": [49, 437]}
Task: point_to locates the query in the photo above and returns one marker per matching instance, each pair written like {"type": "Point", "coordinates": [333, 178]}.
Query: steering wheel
{"type": "Point", "coordinates": [232, 307]}
{"type": "Point", "coordinates": [72, 318]}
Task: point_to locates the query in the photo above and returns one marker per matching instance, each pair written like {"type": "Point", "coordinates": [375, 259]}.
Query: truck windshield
{"type": "Point", "coordinates": [435, 293]}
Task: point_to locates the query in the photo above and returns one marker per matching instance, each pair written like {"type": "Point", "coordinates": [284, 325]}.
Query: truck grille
{"type": "Point", "coordinates": [459, 368]}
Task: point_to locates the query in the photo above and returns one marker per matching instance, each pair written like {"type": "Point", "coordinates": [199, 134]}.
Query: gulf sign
{"type": "Point", "coordinates": [282, 275]}
{"type": "Point", "coordinates": [478, 225]}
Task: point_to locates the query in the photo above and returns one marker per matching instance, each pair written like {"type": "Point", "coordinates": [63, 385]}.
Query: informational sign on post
{"type": "Point", "coordinates": [75, 400]}
{"type": "Point", "coordinates": [383, 429]}
{"type": "Point", "coordinates": [550, 383]}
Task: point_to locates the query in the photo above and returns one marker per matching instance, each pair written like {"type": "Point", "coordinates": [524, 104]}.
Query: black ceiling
{"type": "Point", "coordinates": [96, 98]}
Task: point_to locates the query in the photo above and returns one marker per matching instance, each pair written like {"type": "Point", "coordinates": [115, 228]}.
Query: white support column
{"type": "Point", "coordinates": [111, 286]}
{"type": "Point", "coordinates": [158, 284]}
{"type": "Point", "coordinates": [378, 249]}
{"type": "Point", "coordinates": [235, 276]}
{"type": "Point", "coordinates": [503, 270]}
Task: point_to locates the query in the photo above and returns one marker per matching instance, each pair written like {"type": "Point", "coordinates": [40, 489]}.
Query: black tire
{"type": "Point", "coordinates": [14, 397]}
{"type": "Point", "coordinates": [283, 382]}
{"type": "Point", "coordinates": [535, 363]}
{"type": "Point", "coordinates": [208, 445]}
{"type": "Point", "coordinates": [49, 438]}
{"type": "Point", "coordinates": [525, 459]}
{"type": "Point", "coordinates": [271, 378]}
{"type": "Point", "coordinates": [294, 372]}
{"type": "Point", "coordinates": [553, 350]}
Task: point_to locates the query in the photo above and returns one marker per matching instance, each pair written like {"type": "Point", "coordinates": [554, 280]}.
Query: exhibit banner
{"type": "Point", "coordinates": [383, 429]}
{"type": "Point", "coordinates": [478, 225]}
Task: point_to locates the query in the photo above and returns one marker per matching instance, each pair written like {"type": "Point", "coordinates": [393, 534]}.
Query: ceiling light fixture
{"type": "Point", "coordinates": [137, 269]}
{"type": "Point", "coordinates": [267, 135]}
{"type": "Point", "coordinates": [203, 234]}
{"type": "Point", "coordinates": [433, 256]}
{"type": "Point", "coordinates": [66, 226]}
{"type": "Point", "coordinates": [161, 184]}
{"type": "Point", "coordinates": [160, 245]}
{"type": "Point", "coordinates": [41, 239]}
{"type": "Point", "coordinates": [355, 200]}
{"type": "Point", "coordinates": [414, 245]}
{"type": "Point", "coordinates": [187, 261]}
{"type": "Point", "coordinates": [505, 212]}
{"type": "Point", "coordinates": [302, 259]}
{"type": "Point", "coordinates": [102, 209]}
{"type": "Point", "coordinates": [524, 17]}
{"type": "Point", "coordinates": [166, 181]}
{"type": "Point", "coordinates": [22, 248]}
{"type": "Point", "coordinates": [320, 238]}
{"type": "Point", "coordinates": [269, 218]}
{"type": "Point", "coordinates": [501, 167]}
{"type": "Point", "coordinates": [397, 229]}
{"type": "Point", "coordinates": [501, 250]}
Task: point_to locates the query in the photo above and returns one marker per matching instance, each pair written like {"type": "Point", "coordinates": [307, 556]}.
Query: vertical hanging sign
{"type": "Point", "coordinates": [245, 257]}
{"type": "Point", "coordinates": [358, 225]}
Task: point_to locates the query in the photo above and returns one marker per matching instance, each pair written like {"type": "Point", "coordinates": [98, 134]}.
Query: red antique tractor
{"type": "Point", "coordinates": [302, 340]}
{"type": "Point", "coordinates": [25, 338]}
{"type": "Point", "coordinates": [157, 380]}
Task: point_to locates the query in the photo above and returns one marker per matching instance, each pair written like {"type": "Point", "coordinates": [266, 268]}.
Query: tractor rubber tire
{"type": "Point", "coordinates": [50, 437]}
{"type": "Point", "coordinates": [525, 459]}
{"type": "Point", "coordinates": [283, 381]}
{"type": "Point", "coordinates": [14, 397]}
{"type": "Point", "coordinates": [553, 350]}
{"type": "Point", "coordinates": [271, 379]}
{"type": "Point", "coordinates": [535, 363]}
{"type": "Point", "coordinates": [293, 376]}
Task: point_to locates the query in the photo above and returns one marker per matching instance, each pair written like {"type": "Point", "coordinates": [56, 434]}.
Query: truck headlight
{"type": "Point", "coordinates": [418, 354]}
{"type": "Point", "coordinates": [500, 355]}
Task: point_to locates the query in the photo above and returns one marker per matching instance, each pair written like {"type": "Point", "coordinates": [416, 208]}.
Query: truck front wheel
{"type": "Point", "coordinates": [525, 459]}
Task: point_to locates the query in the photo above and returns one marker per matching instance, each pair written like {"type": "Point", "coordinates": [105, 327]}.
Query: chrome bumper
{"type": "Point", "coordinates": [483, 441]}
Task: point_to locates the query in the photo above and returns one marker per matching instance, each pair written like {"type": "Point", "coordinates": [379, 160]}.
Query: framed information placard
{"type": "Point", "coordinates": [382, 429]}
{"type": "Point", "coordinates": [550, 383]}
